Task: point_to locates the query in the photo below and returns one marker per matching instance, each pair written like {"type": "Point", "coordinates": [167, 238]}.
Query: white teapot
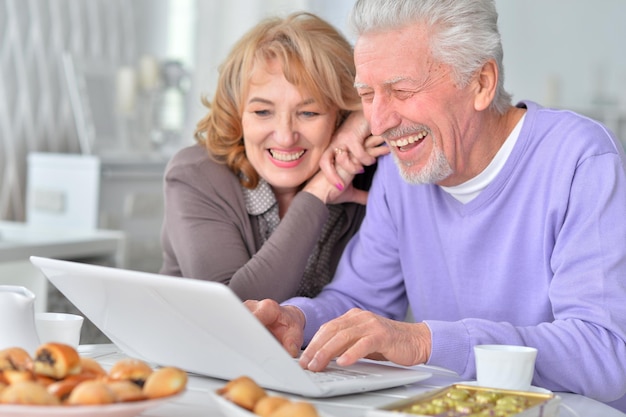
{"type": "Point", "coordinates": [17, 318]}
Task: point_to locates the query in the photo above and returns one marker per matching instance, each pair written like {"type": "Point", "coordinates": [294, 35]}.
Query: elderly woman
{"type": "Point", "coordinates": [247, 205]}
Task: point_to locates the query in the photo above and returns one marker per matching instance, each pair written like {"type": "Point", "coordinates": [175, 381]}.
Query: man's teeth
{"type": "Point", "coordinates": [286, 156]}
{"type": "Point", "coordinates": [406, 141]}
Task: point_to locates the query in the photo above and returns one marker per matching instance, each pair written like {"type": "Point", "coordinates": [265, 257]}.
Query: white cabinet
{"type": "Point", "coordinates": [121, 192]}
{"type": "Point", "coordinates": [131, 200]}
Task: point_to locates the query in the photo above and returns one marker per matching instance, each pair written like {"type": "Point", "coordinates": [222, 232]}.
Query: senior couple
{"type": "Point", "coordinates": [492, 222]}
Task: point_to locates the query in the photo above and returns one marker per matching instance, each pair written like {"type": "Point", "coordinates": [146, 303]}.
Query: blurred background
{"type": "Point", "coordinates": [119, 82]}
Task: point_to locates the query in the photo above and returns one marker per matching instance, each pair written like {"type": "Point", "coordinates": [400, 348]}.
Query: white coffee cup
{"type": "Point", "coordinates": [59, 327]}
{"type": "Point", "coordinates": [505, 366]}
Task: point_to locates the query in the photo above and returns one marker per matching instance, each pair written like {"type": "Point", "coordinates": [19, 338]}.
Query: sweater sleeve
{"type": "Point", "coordinates": [369, 275]}
{"type": "Point", "coordinates": [276, 270]}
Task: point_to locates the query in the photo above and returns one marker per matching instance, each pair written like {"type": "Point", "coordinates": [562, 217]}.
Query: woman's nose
{"type": "Point", "coordinates": [285, 132]}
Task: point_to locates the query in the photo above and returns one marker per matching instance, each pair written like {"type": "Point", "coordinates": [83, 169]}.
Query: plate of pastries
{"type": "Point", "coordinates": [57, 381]}
{"type": "Point", "coordinates": [242, 397]}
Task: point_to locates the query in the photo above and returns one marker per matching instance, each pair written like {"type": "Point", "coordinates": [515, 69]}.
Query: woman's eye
{"type": "Point", "coordinates": [262, 113]}
{"type": "Point", "coordinates": [309, 114]}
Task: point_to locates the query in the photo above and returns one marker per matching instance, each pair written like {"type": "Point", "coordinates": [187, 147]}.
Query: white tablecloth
{"type": "Point", "coordinates": [196, 402]}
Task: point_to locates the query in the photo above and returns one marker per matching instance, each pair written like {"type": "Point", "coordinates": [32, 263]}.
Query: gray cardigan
{"type": "Point", "coordinates": [208, 234]}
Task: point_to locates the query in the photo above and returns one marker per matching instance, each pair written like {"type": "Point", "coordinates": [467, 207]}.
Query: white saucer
{"type": "Point", "coordinates": [531, 389]}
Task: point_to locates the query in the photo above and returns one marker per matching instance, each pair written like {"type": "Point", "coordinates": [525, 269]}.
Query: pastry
{"type": "Point", "coordinates": [91, 366]}
{"type": "Point", "coordinates": [56, 360]}
{"type": "Point", "coordinates": [58, 375]}
{"type": "Point", "coordinates": [165, 382]}
{"type": "Point", "coordinates": [27, 392]}
{"type": "Point", "coordinates": [125, 391]}
{"type": "Point", "coordinates": [268, 404]}
{"type": "Point", "coordinates": [130, 369]}
{"type": "Point", "coordinates": [64, 387]}
{"type": "Point", "coordinates": [92, 392]}
{"type": "Point", "coordinates": [296, 408]}
{"type": "Point", "coordinates": [12, 376]}
{"type": "Point", "coordinates": [242, 391]}
{"type": "Point", "coordinates": [43, 379]}
{"type": "Point", "coordinates": [15, 358]}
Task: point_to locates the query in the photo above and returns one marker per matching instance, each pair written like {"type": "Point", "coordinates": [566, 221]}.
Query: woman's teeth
{"type": "Point", "coordinates": [407, 141]}
{"type": "Point", "coordinates": [286, 156]}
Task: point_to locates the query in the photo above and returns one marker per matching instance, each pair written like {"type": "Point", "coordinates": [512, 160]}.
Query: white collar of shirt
{"type": "Point", "coordinates": [470, 189]}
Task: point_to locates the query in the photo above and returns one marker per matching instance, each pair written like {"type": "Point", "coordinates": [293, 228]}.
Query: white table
{"type": "Point", "coordinates": [195, 402]}
{"type": "Point", "coordinates": [18, 241]}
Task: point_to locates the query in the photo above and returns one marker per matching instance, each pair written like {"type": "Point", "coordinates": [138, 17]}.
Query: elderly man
{"type": "Point", "coordinates": [495, 223]}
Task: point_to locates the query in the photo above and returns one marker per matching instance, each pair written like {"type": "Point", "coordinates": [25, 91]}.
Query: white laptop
{"type": "Point", "coordinates": [203, 328]}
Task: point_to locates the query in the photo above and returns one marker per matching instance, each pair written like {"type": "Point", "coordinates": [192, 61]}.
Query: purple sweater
{"type": "Point", "coordinates": [538, 258]}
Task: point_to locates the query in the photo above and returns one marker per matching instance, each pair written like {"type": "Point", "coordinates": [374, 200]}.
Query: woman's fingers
{"type": "Point", "coordinates": [345, 160]}
{"type": "Point", "coordinates": [327, 165]}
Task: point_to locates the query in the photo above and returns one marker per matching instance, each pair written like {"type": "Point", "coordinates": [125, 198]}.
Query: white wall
{"type": "Point", "coordinates": [564, 53]}
{"type": "Point", "coordinates": [575, 45]}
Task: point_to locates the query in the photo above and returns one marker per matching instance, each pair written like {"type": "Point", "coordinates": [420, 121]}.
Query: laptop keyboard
{"type": "Point", "coordinates": [336, 374]}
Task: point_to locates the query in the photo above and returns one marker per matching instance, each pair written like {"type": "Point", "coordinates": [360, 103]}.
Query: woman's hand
{"type": "Point", "coordinates": [352, 138]}
{"type": "Point", "coordinates": [331, 193]}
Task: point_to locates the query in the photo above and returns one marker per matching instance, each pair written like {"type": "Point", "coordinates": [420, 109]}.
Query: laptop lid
{"type": "Point", "coordinates": [199, 326]}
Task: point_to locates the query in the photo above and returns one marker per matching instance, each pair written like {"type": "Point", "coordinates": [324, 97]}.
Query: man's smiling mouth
{"type": "Point", "coordinates": [403, 144]}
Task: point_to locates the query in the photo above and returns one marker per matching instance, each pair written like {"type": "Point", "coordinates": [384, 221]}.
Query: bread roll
{"type": "Point", "coordinates": [165, 382]}
{"type": "Point", "coordinates": [44, 380]}
{"type": "Point", "coordinates": [92, 392]}
{"type": "Point", "coordinates": [27, 393]}
{"type": "Point", "coordinates": [91, 366]}
{"type": "Point", "coordinates": [242, 391]}
{"type": "Point", "coordinates": [130, 369]}
{"type": "Point", "coordinates": [64, 387]}
{"type": "Point", "coordinates": [296, 408]}
{"type": "Point", "coordinates": [13, 376]}
{"type": "Point", "coordinates": [268, 404]}
{"type": "Point", "coordinates": [56, 360]}
{"type": "Point", "coordinates": [126, 391]}
{"type": "Point", "coordinates": [15, 358]}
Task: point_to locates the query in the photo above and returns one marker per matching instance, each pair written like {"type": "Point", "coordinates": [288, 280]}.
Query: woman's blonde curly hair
{"type": "Point", "coordinates": [314, 56]}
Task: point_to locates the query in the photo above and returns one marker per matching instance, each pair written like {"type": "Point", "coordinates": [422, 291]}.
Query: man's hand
{"type": "Point", "coordinates": [362, 334]}
{"type": "Point", "coordinates": [285, 323]}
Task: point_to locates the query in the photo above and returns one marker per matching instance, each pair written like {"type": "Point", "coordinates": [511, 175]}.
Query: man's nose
{"type": "Point", "coordinates": [381, 115]}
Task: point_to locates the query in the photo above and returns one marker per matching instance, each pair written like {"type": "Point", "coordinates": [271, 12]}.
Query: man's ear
{"type": "Point", "coordinates": [486, 83]}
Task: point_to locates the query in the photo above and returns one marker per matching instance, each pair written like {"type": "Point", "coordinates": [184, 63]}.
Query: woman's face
{"type": "Point", "coordinates": [285, 131]}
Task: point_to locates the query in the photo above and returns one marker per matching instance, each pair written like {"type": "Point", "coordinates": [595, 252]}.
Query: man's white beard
{"type": "Point", "coordinates": [436, 169]}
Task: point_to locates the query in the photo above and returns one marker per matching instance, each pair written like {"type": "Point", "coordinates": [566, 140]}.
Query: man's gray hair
{"type": "Point", "coordinates": [464, 33]}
